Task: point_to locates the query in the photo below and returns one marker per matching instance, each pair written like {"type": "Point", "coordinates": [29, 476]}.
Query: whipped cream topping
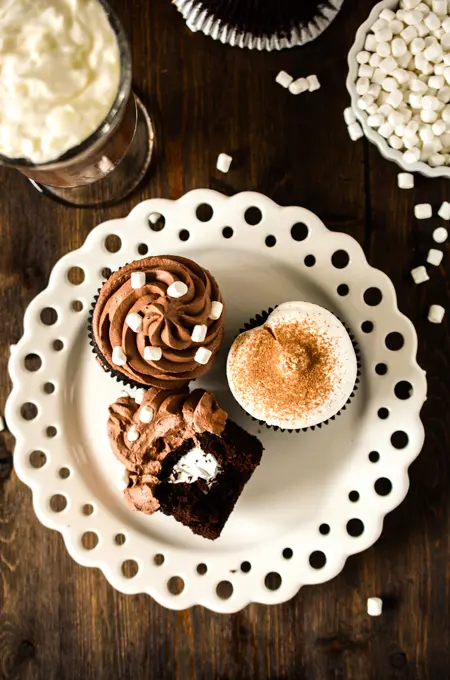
{"type": "Point", "coordinates": [296, 370]}
{"type": "Point", "coordinates": [195, 465]}
{"type": "Point", "coordinates": [59, 75]}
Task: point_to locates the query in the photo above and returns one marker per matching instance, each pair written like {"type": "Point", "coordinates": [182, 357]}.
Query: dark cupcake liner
{"type": "Point", "coordinates": [242, 25]}
{"type": "Point", "coordinates": [259, 320]}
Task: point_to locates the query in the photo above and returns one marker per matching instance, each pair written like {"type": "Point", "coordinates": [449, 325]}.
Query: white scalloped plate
{"type": "Point", "coordinates": [304, 480]}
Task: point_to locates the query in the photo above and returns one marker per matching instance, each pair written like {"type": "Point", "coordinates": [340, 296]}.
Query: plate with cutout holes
{"type": "Point", "coordinates": [318, 496]}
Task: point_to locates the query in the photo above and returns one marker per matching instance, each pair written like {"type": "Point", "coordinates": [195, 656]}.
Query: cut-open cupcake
{"type": "Point", "coordinates": [184, 456]}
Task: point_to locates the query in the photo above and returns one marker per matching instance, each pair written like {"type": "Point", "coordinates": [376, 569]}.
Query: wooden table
{"type": "Point", "coordinates": [59, 620]}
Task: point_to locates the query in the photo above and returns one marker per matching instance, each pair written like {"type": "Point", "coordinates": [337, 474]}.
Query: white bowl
{"type": "Point", "coordinates": [384, 148]}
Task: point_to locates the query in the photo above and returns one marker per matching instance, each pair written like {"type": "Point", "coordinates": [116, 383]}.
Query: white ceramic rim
{"type": "Point", "coordinates": [386, 151]}
{"type": "Point", "coordinates": [198, 20]}
{"type": "Point", "coordinates": [266, 557]}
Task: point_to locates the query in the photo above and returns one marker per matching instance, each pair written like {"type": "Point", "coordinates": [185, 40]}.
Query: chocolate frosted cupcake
{"type": "Point", "coordinates": [183, 455]}
{"type": "Point", "coordinates": [158, 322]}
{"type": "Point", "coordinates": [260, 24]}
{"type": "Point", "coordinates": [296, 370]}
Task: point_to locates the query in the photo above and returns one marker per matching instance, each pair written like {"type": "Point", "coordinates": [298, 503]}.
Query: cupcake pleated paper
{"type": "Point", "coordinates": [260, 24]}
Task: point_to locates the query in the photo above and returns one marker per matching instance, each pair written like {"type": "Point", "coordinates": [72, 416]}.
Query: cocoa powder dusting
{"type": "Point", "coordinates": [287, 369]}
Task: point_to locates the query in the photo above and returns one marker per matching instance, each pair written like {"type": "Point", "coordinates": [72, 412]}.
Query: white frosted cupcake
{"type": "Point", "coordinates": [296, 370]}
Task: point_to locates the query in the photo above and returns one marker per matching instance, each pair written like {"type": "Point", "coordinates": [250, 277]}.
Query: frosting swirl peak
{"type": "Point", "coordinates": [159, 311]}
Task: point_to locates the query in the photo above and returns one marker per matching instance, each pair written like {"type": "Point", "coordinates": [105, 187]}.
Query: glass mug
{"type": "Point", "coordinates": [112, 161]}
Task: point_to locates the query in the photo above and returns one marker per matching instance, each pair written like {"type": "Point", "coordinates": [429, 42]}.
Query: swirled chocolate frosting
{"type": "Point", "coordinates": [141, 436]}
{"type": "Point", "coordinates": [173, 323]}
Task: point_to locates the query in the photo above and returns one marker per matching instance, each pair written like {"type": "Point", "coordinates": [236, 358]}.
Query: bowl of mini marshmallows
{"type": "Point", "coordinates": [399, 83]}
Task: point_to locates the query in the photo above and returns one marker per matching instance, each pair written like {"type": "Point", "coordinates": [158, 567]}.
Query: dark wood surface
{"type": "Point", "coordinates": [59, 620]}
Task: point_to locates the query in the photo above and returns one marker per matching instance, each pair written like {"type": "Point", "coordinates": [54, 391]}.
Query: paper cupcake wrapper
{"type": "Point", "coordinates": [199, 19]}
{"type": "Point", "coordinates": [259, 320]}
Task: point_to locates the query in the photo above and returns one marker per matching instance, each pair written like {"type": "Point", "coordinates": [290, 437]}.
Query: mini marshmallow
{"type": "Point", "coordinates": [177, 289]}
{"type": "Point", "coordinates": [199, 333]}
{"type": "Point", "coordinates": [216, 309]}
{"type": "Point", "coordinates": [395, 99]}
{"type": "Point", "coordinates": [203, 355]}
{"type": "Point", "coordinates": [433, 52]}
{"type": "Point", "coordinates": [284, 79]}
{"type": "Point", "coordinates": [374, 91]}
{"type": "Point", "coordinates": [383, 35]}
{"type": "Point", "coordinates": [445, 41]}
{"type": "Point", "coordinates": [446, 24]}
{"type": "Point", "coordinates": [298, 86]}
{"type": "Point", "coordinates": [395, 142]}
{"type": "Point", "coordinates": [436, 314]}
{"type": "Point", "coordinates": [364, 71]}
{"type": "Point", "coordinates": [134, 321]}
{"type": "Point", "coordinates": [411, 156]}
{"type": "Point", "coordinates": [426, 134]}
{"type": "Point", "coordinates": [417, 45]}
{"type": "Point", "coordinates": [372, 109]}
{"type": "Point", "coordinates": [434, 257]}
{"type": "Point", "coordinates": [398, 47]}
{"type": "Point", "coordinates": [118, 356]}
{"type": "Point", "coordinates": [388, 14]}
{"type": "Point", "coordinates": [132, 434]}
{"type": "Point", "coordinates": [362, 86]}
{"type": "Point", "coordinates": [224, 162]}
{"type": "Point", "coordinates": [439, 127]}
{"type": "Point", "coordinates": [415, 100]}
{"type": "Point", "coordinates": [349, 116]}
{"type": "Point", "coordinates": [152, 353]}
{"type": "Point", "coordinates": [355, 132]}
{"type": "Point", "coordinates": [439, 69]}
{"type": "Point", "coordinates": [146, 414]}
{"type": "Point", "coordinates": [440, 235]}
{"type": "Point", "coordinates": [439, 6]}
{"type": "Point", "coordinates": [447, 75]}
{"type": "Point", "coordinates": [418, 86]}
{"type": "Point", "coordinates": [444, 211]}
{"type": "Point", "coordinates": [378, 77]}
{"type": "Point", "coordinates": [432, 21]}
{"type": "Point", "coordinates": [430, 102]}
{"type": "Point", "coordinates": [383, 49]}
{"type": "Point", "coordinates": [423, 211]}
{"type": "Point", "coordinates": [139, 396]}
{"type": "Point", "coordinates": [396, 118]}
{"type": "Point", "coordinates": [405, 180]}
{"type": "Point", "coordinates": [313, 83]}
{"type": "Point", "coordinates": [137, 279]}
{"type": "Point", "coordinates": [374, 606]}
{"type": "Point", "coordinates": [386, 130]}
{"type": "Point", "coordinates": [363, 57]}
{"type": "Point", "coordinates": [389, 84]}
{"type": "Point", "coordinates": [446, 115]}
{"type": "Point", "coordinates": [376, 120]}
{"type": "Point", "coordinates": [370, 44]}
{"type": "Point", "coordinates": [419, 275]}
{"type": "Point", "coordinates": [375, 60]}
{"type": "Point", "coordinates": [378, 25]}
{"type": "Point", "coordinates": [408, 34]}
{"type": "Point", "coordinates": [410, 141]}
{"type": "Point", "coordinates": [388, 65]}
{"type": "Point", "coordinates": [405, 60]}
{"type": "Point", "coordinates": [436, 82]}
{"type": "Point", "coordinates": [436, 160]}
{"type": "Point", "coordinates": [413, 18]}
{"type": "Point", "coordinates": [428, 116]}
{"type": "Point", "coordinates": [400, 75]}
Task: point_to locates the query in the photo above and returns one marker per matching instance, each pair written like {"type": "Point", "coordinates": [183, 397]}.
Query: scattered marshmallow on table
{"type": "Point", "coordinates": [313, 83]}
{"type": "Point", "coordinates": [423, 211]}
{"type": "Point", "coordinates": [440, 235]}
{"type": "Point", "coordinates": [374, 606]}
{"type": "Point", "coordinates": [444, 211]}
{"type": "Point", "coordinates": [299, 86]}
{"type": "Point", "coordinates": [405, 180]}
{"type": "Point", "coordinates": [284, 79]}
{"type": "Point", "coordinates": [349, 116]}
{"type": "Point", "coordinates": [224, 162]}
{"type": "Point", "coordinates": [434, 257]}
{"type": "Point", "coordinates": [436, 314]}
{"type": "Point", "coordinates": [419, 275]}
{"type": "Point", "coordinates": [355, 131]}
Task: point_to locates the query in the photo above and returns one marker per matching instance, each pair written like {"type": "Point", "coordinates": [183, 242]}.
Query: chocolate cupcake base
{"type": "Point", "coordinates": [291, 23]}
{"type": "Point", "coordinates": [260, 320]}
